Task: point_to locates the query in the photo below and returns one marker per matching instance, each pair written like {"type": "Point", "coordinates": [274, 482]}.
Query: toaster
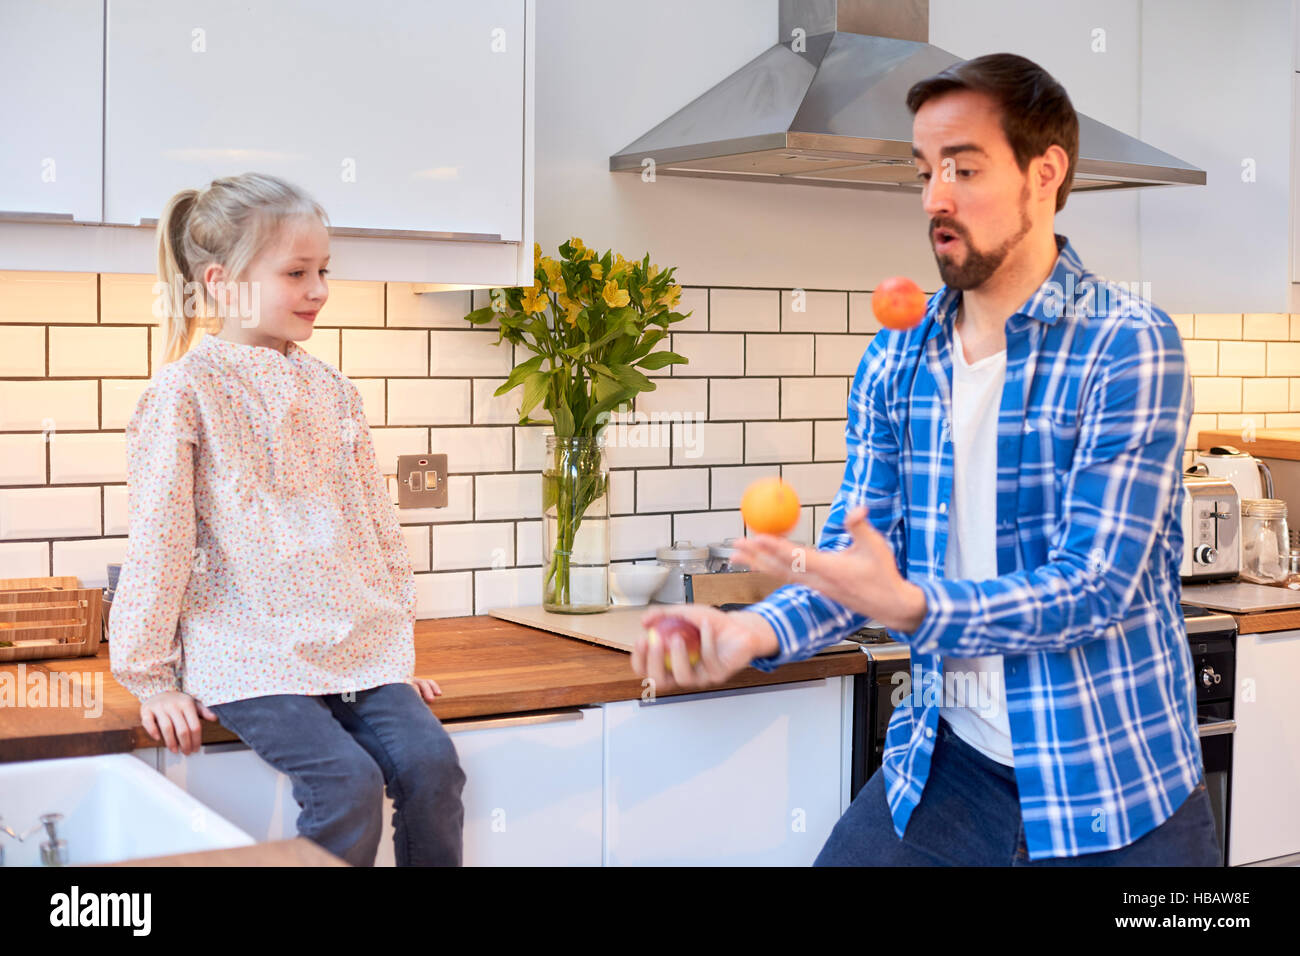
{"type": "Point", "coordinates": [1211, 529]}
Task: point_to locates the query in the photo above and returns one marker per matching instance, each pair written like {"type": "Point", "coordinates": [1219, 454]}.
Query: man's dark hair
{"type": "Point", "coordinates": [1036, 110]}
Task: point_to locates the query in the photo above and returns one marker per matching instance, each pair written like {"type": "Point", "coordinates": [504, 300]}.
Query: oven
{"type": "Point", "coordinates": [1212, 639]}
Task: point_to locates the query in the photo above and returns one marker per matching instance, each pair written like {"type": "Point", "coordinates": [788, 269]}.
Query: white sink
{"type": "Point", "coordinates": [114, 808]}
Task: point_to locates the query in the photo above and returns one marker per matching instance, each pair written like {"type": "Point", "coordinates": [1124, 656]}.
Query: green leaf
{"type": "Point", "coordinates": [660, 359]}
{"type": "Point", "coordinates": [613, 400]}
{"type": "Point", "coordinates": [519, 373]}
{"type": "Point", "coordinates": [629, 377]}
{"type": "Point", "coordinates": [481, 316]}
{"type": "Point", "coordinates": [647, 343]}
{"type": "Point", "coordinates": [563, 419]}
{"type": "Point", "coordinates": [534, 391]}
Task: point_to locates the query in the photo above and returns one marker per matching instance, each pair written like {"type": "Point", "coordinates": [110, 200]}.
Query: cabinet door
{"type": "Point", "coordinates": [1265, 749]}
{"type": "Point", "coordinates": [394, 114]}
{"type": "Point", "coordinates": [236, 784]}
{"type": "Point", "coordinates": [741, 777]}
{"type": "Point", "coordinates": [51, 108]}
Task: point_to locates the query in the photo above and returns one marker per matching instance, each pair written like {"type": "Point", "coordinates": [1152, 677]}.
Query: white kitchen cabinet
{"type": "Point", "coordinates": [397, 115]}
{"type": "Point", "coordinates": [532, 795]}
{"type": "Point", "coordinates": [736, 777]}
{"type": "Point", "coordinates": [51, 85]}
{"type": "Point", "coordinates": [1266, 749]}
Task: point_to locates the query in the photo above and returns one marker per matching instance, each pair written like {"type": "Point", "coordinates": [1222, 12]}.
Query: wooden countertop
{"type": "Point", "coordinates": [1268, 443]}
{"type": "Point", "coordinates": [296, 852]}
{"type": "Point", "coordinates": [485, 667]}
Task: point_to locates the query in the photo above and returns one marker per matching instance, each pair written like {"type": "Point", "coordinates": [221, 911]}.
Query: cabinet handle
{"type": "Point", "coordinates": [414, 234]}
{"type": "Point", "coordinates": [1216, 728]}
{"type": "Point", "coordinates": [15, 216]}
{"type": "Point", "coordinates": [519, 720]}
{"type": "Point", "coordinates": [732, 692]}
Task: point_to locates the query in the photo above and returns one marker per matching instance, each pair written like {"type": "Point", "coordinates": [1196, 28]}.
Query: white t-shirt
{"type": "Point", "coordinates": [972, 546]}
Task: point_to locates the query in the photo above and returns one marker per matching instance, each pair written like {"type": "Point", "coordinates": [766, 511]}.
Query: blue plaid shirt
{"type": "Point", "coordinates": [1085, 608]}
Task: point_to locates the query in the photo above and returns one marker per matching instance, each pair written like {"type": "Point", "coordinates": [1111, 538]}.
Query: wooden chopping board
{"type": "Point", "coordinates": [619, 627]}
{"type": "Point", "coordinates": [1240, 597]}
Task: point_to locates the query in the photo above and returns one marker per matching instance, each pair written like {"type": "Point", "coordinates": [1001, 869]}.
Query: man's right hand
{"type": "Point", "coordinates": [729, 640]}
{"type": "Point", "coordinates": [173, 716]}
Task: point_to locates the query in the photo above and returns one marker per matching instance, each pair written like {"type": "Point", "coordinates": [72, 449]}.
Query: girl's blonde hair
{"type": "Point", "coordinates": [229, 223]}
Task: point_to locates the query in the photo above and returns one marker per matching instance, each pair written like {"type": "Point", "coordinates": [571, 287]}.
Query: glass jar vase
{"type": "Point", "coordinates": [575, 525]}
{"type": "Point", "coordinates": [1264, 540]}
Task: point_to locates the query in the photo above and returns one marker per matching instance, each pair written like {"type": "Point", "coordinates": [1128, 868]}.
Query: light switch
{"type": "Point", "coordinates": [421, 481]}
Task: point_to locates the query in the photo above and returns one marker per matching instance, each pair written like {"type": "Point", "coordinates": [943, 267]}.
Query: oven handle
{"type": "Point", "coordinates": [1216, 728]}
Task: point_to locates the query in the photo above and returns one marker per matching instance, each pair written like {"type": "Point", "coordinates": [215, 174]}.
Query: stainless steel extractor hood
{"type": "Point", "coordinates": [827, 108]}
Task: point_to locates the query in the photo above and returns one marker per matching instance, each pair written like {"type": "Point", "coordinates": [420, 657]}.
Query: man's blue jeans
{"type": "Point", "coordinates": [969, 815]}
{"type": "Point", "coordinates": [340, 753]}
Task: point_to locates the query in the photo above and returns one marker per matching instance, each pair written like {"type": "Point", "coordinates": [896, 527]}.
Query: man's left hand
{"type": "Point", "coordinates": [863, 577]}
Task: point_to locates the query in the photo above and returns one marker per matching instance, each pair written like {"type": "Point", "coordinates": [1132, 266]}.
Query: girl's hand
{"type": "Point", "coordinates": [173, 717]}
{"type": "Point", "coordinates": [428, 689]}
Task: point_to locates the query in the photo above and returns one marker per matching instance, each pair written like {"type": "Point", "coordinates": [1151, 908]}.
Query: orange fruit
{"type": "Point", "coordinates": [898, 303]}
{"type": "Point", "coordinates": [770, 506]}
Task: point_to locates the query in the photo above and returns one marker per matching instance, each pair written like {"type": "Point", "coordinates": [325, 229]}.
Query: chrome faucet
{"type": "Point", "coordinates": [54, 852]}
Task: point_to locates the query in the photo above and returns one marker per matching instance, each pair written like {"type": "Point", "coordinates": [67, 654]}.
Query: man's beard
{"type": "Point", "coordinates": [979, 266]}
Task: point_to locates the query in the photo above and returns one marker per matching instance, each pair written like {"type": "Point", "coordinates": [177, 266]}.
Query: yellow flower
{"type": "Point", "coordinates": [578, 248]}
{"type": "Point", "coordinates": [571, 313]}
{"type": "Point", "coordinates": [654, 271]}
{"type": "Point", "coordinates": [620, 265]}
{"type": "Point", "coordinates": [671, 296]}
{"type": "Point", "coordinates": [537, 253]}
{"type": "Point", "coordinates": [648, 300]}
{"type": "Point", "coordinates": [588, 253]}
{"type": "Point", "coordinates": [534, 299]}
{"type": "Point", "coordinates": [597, 270]}
{"type": "Point", "coordinates": [614, 296]}
{"type": "Point", "coordinates": [553, 276]}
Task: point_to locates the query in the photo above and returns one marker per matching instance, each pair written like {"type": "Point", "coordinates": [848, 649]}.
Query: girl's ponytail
{"type": "Point", "coordinates": [174, 273]}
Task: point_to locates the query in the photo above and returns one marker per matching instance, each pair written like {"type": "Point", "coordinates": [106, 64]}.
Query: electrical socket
{"type": "Point", "coordinates": [421, 481]}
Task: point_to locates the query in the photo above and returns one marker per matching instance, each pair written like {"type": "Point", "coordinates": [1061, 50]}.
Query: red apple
{"type": "Point", "coordinates": [670, 626]}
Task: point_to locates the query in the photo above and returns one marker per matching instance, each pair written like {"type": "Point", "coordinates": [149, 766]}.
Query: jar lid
{"type": "Point", "coordinates": [725, 548]}
{"type": "Point", "coordinates": [683, 551]}
{"type": "Point", "coordinates": [1263, 508]}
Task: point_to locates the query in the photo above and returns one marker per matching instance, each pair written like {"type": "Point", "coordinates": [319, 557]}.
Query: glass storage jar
{"type": "Point", "coordinates": [1264, 540]}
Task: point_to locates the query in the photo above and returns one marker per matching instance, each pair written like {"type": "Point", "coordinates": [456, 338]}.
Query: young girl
{"type": "Point", "coordinates": [266, 583]}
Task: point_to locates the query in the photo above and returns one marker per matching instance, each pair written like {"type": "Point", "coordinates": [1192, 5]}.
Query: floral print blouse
{"type": "Point", "coordinates": [265, 554]}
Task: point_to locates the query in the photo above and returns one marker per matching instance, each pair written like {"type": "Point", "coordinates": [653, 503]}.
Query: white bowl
{"type": "Point", "coordinates": [633, 584]}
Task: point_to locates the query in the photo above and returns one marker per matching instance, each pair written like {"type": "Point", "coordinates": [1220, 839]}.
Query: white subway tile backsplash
{"type": "Point", "coordinates": [80, 458]}
{"type": "Point", "coordinates": [119, 397]}
{"type": "Point", "coordinates": [387, 352]}
{"type": "Point", "coordinates": [1200, 422]}
{"type": "Point", "coordinates": [49, 513]}
{"type": "Point", "coordinates": [60, 297]}
{"type": "Point", "coordinates": [1295, 328]}
{"type": "Point", "coordinates": [530, 447]}
{"type": "Point", "coordinates": [1282, 420]}
{"type": "Point", "coordinates": [1241, 358]}
{"type": "Point", "coordinates": [1283, 358]}
{"type": "Point", "coordinates": [48, 405]}
{"type": "Point", "coordinates": [1216, 394]}
{"type": "Point", "coordinates": [507, 587]}
{"type": "Point", "coordinates": [709, 353]}
{"type": "Point", "coordinates": [492, 409]}
{"type": "Point", "coordinates": [729, 484]}
{"type": "Point", "coordinates": [814, 397]}
{"type": "Point", "coordinates": [861, 318]}
{"type": "Point", "coordinates": [1185, 325]}
{"type": "Point", "coordinates": [839, 354]}
{"type": "Point", "coordinates": [804, 311]}
{"type": "Point", "coordinates": [742, 399]}
{"type": "Point", "coordinates": [828, 441]}
{"type": "Point", "coordinates": [643, 442]}
{"type": "Point", "coordinates": [778, 442]}
{"type": "Point", "coordinates": [1202, 356]}
{"type": "Point", "coordinates": [638, 536]}
{"type": "Point", "coordinates": [814, 484]}
{"type": "Point", "coordinates": [1295, 395]}
{"type": "Point", "coordinates": [372, 399]}
{"type": "Point", "coordinates": [22, 459]}
{"type": "Point", "coordinates": [88, 560]}
{"type": "Point", "coordinates": [1265, 395]}
{"type": "Point", "coordinates": [22, 351]}
{"type": "Point", "coordinates": [674, 396]}
{"type": "Point", "coordinates": [392, 442]}
{"type": "Point", "coordinates": [324, 345]}
{"type": "Point", "coordinates": [744, 310]}
{"type": "Point", "coordinates": [429, 310]}
{"type": "Point", "coordinates": [100, 351]}
{"type": "Point", "coordinates": [474, 449]}
{"type": "Point", "coordinates": [417, 543]}
{"type": "Point", "coordinates": [128, 299]}
{"type": "Point", "coordinates": [1217, 326]}
{"type": "Point", "coordinates": [25, 559]}
{"type": "Point", "coordinates": [429, 401]}
{"type": "Point", "coordinates": [708, 443]}
{"type": "Point", "coordinates": [460, 504]}
{"type": "Point", "coordinates": [444, 595]}
{"type": "Point", "coordinates": [353, 302]}
{"type": "Point", "coordinates": [116, 510]}
{"type": "Point", "coordinates": [707, 527]}
{"type": "Point", "coordinates": [528, 543]}
{"type": "Point", "coordinates": [622, 491]}
{"type": "Point", "coordinates": [508, 496]}
{"type": "Point", "coordinates": [470, 352]}
{"type": "Point", "coordinates": [780, 354]}
{"type": "Point", "coordinates": [694, 304]}
{"type": "Point", "coordinates": [482, 544]}
{"type": "Point", "coordinates": [1272, 326]}
{"type": "Point", "coordinates": [672, 489]}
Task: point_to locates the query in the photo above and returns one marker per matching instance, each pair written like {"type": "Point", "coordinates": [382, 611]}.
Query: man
{"type": "Point", "coordinates": [1019, 455]}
